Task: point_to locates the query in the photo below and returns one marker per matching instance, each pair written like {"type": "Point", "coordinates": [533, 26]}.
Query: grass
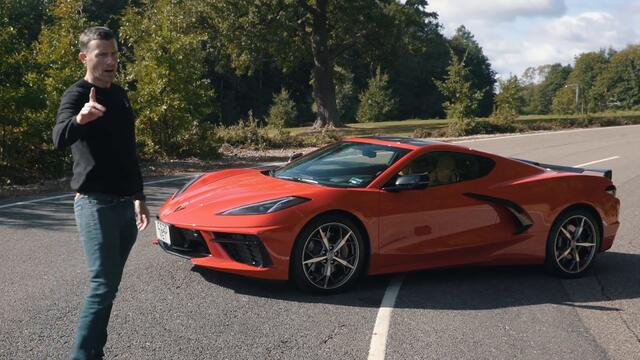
{"type": "Point", "coordinates": [407, 127]}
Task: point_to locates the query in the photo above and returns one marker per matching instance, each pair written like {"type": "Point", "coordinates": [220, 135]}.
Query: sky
{"type": "Point", "coordinates": [516, 34]}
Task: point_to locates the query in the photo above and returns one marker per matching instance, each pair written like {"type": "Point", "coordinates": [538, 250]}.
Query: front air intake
{"type": "Point", "coordinates": [246, 249]}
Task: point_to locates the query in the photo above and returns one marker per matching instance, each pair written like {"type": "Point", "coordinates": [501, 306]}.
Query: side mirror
{"type": "Point", "coordinates": [294, 156]}
{"type": "Point", "coordinates": [409, 182]}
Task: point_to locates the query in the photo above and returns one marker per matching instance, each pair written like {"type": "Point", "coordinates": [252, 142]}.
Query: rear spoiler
{"type": "Point", "coordinates": [608, 173]}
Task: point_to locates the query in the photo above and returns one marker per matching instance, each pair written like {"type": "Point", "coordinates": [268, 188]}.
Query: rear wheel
{"type": "Point", "coordinates": [328, 255]}
{"type": "Point", "coordinates": [573, 243]}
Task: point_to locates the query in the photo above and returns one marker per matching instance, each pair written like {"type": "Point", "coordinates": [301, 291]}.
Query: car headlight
{"type": "Point", "coordinates": [266, 207]}
{"type": "Point", "coordinates": [186, 186]}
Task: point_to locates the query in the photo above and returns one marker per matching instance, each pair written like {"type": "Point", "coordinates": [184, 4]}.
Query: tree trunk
{"type": "Point", "coordinates": [324, 91]}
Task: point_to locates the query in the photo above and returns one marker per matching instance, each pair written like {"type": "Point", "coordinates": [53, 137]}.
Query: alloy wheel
{"type": "Point", "coordinates": [575, 244]}
{"type": "Point", "coordinates": [330, 255]}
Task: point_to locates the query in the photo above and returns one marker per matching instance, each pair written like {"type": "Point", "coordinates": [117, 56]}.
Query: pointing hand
{"type": "Point", "coordinates": [91, 110]}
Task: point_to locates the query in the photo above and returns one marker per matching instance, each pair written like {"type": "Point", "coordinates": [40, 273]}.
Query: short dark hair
{"type": "Point", "coordinates": [95, 33]}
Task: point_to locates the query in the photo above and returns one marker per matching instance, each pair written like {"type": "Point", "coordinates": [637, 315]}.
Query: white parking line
{"type": "Point", "coordinates": [597, 161]}
{"type": "Point", "coordinates": [378, 346]}
{"type": "Point", "coordinates": [541, 133]}
{"type": "Point", "coordinates": [73, 194]}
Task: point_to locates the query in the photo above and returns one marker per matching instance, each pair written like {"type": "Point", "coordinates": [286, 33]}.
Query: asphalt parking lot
{"type": "Point", "coordinates": [167, 309]}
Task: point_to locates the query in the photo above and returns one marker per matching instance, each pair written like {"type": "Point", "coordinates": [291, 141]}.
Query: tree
{"type": "Point", "coordinates": [481, 75]}
{"type": "Point", "coordinates": [586, 70]}
{"type": "Point", "coordinates": [282, 112]}
{"type": "Point", "coordinates": [57, 53]}
{"type": "Point", "coordinates": [55, 66]}
{"type": "Point", "coordinates": [554, 80]}
{"type": "Point", "coordinates": [509, 100]}
{"type": "Point", "coordinates": [415, 54]}
{"type": "Point", "coordinates": [377, 103]}
{"type": "Point", "coordinates": [618, 86]}
{"type": "Point", "coordinates": [290, 31]}
{"type": "Point", "coordinates": [564, 102]}
{"type": "Point", "coordinates": [462, 99]}
{"type": "Point", "coordinates": [346, 95]}
{"type": "Point", "coordinates": [172, 94]}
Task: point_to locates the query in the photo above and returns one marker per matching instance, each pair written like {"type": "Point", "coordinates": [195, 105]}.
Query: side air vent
{"type": "Point", "coordinates": [521, 218]}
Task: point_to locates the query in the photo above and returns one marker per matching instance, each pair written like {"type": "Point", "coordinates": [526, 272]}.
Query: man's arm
{"type": "Point", "coordinates": [73, 113]}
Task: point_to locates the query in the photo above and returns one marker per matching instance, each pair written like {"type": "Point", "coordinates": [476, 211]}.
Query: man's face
{"type": "Point", "coordinates": [101, 60]}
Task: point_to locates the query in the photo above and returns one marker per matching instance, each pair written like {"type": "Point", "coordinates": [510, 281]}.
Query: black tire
{"type": "Point", "coordinates": [571, 251]}
{"type": "Point", "coordinates": [311, 259]}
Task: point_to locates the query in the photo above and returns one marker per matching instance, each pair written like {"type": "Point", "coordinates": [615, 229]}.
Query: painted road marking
{"type": "Point", "coordinates": [597, 161]}
{"type": "Point", "coordinates": [73, 194]}
{"type": "Point", "coordinates": [378, 345]}
{"type": "Point", "coordinates": [541, 133]}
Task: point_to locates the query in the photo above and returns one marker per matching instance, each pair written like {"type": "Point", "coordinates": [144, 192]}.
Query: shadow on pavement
{"type": "Point", "coordinates": [615, 276]}
{"type": "Point", "coordinates": [57, 214]}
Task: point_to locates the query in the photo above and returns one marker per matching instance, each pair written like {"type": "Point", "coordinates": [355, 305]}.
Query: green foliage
{"type": "Point", "coordinates": [415, 53]}
{"type": "Point", "coordinates": [37, 75]}
{"type": "Point", "coordinates": [282, 112]}
{"type": "Point", "coordinates": [542, 85]}
{"type": "Point", "coordinates": [422, 133]}
{"type": "Point", "coordinates": [564, 102]}
{"type": "Point", "coordinates": [172, 94]}
{"type": "Point", "coordinates": [618, 86]}
{"type": "Point", "coordinates": [377, 103]}
{"type": "Point", "coordinates": [319, 138]}
{"type": "Point", "coordinates": [346, 95]}
{"type": "Point", "coordinates": [291, 32]}
{"type": "Point", "coordinates": [509, 101]}
{"type": "Point", "coordinates": [481, 76]}
{"type": "Point", "coordinates": [588, 67]}
{"type": "Point", "coordinates": [462, 99]}
{"type": "Point", "coordinates": [57, 53]}
{"type": "Point", "coordinates": [248, 133]}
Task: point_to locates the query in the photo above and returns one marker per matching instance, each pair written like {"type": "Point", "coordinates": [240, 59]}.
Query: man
{"type": "Point", "coordinates": [96, 120]}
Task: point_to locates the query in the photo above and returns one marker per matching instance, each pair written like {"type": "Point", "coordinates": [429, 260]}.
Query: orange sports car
{"type": "Point", "coordinates": [389, 204]}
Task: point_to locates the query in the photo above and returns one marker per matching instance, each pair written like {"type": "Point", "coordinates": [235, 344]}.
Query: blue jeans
{"type": "Point", "coordinates": [108, 231]}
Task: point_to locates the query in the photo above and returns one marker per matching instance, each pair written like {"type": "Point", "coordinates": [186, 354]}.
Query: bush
{"type": "Point", "coordinates": [509, 102]}
{"type": "Point", "coordinates": [377, 103]}
{"type": "Point", "coordinates": [199, 141]}
{"type": "Point", "coordinates": [319, 138]}
{"type": "Point", "coordinates": [282, 112]}
{"type": "Point", "coordinates": [246, 133]}
{"type": "Point", "coordinates": [493, 127]}
{"type": "Point", "coordinates": [460, 127]}
{"type": "Point", "coordinates": [249, 134]}
{"type": "Point", "coordinates": [422, 133]}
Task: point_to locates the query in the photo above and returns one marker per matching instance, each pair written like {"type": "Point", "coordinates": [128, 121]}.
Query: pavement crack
{"type": "Point", "coordinates": [604, 294]}
{"type": "Point", "coordinates": [334, 333]}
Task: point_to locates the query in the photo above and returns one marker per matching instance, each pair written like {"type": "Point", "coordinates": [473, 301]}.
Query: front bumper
{"type": "Point", "coordinates": [240, 251]}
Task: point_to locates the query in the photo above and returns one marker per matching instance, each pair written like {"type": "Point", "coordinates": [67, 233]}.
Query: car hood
{"type": "Point", "coordinates": [228, 189]}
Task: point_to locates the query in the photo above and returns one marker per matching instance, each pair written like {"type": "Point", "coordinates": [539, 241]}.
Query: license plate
{"type": "Point", "coordinates": [162, 231]}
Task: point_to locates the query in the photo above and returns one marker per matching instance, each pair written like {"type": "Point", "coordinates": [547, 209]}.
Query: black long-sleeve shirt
{"type": "Point", "coordinates": [104, 150]}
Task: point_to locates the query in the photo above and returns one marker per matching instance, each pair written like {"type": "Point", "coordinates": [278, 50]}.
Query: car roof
{"type": "Point", "coordinates": [406, 142]}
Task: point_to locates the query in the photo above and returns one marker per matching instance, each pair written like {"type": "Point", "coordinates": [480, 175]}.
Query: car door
{"type": "Point", "coordinates": [441, 218]}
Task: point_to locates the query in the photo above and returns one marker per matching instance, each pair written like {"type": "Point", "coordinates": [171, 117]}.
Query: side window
{"type": "Point", "coordinates": [447, 167]}
{"type": "Point", "coordinates": [472, 167]}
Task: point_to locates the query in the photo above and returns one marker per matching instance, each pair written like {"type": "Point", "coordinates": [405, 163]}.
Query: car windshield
{"type": "Point", "coordinates": [345, 164]}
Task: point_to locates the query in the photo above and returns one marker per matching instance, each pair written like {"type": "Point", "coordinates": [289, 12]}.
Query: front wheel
{"type": "Point", "coordinates": [328, 255]}
{"type": "Point", "coordinates": [573, 243]}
